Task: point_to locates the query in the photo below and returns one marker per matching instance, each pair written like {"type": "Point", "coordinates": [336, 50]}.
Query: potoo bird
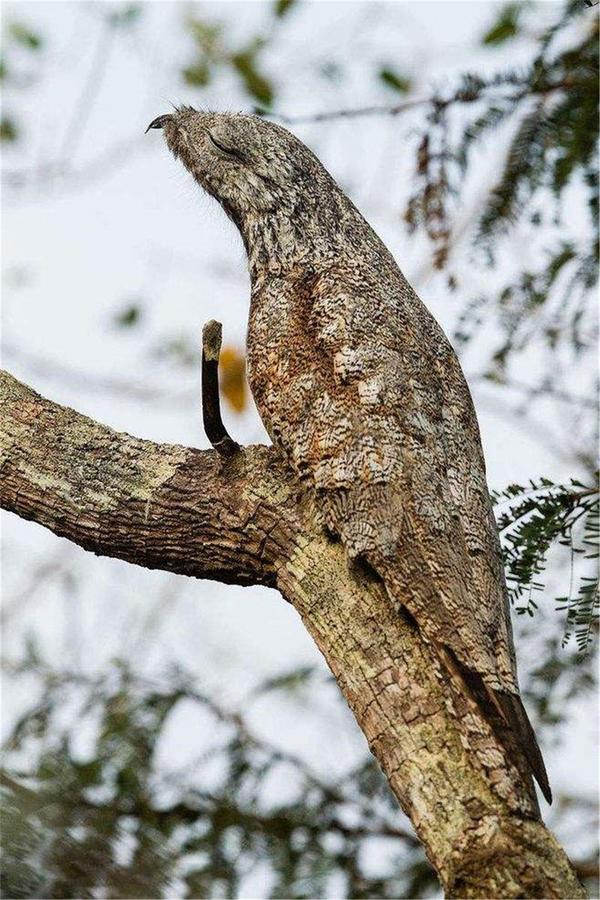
{"type": "Point", "coordinates": [361, 391]}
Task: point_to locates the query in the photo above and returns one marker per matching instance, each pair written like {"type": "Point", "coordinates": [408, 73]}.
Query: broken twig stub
{"type": "Point", "coordinates": [211, 405]}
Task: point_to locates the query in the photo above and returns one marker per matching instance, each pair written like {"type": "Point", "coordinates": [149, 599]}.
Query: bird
{"type": "Point", "coordinates": [363, 395]}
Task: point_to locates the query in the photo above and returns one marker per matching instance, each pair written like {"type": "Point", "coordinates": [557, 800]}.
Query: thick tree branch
{"type": "Point", "coordinates": [160, 506]}
{"type": "Point", "coordinates": [243, 520]}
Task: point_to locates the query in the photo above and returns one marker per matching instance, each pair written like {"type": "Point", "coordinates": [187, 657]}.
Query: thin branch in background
{"type": "Point", "coordinates": [534, 429]}
{"type": "Point", "coordinates": [85, 102]}
{"type": "Point", "coordinates": [459, 97]}
{"type": "Point", "coordinates": [47, 176]}
{"type": "Point", "coordinates": [60, 169]}
{"type": "Point", "coordinates": [352, 113]}
{"type": "Point", "coordinates": [40, 577]}
{"type": "Point", "coordinates": [76, 378]}
{"type": "Point", "coordinates": [533, 391]}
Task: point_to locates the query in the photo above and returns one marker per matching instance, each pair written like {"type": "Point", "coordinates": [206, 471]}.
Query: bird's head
{"type": "Point", "coordinates": [251, 166]}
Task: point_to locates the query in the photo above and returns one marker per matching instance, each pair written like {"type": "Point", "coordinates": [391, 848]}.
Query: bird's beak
{"type": "Point", "coordinates": [159, 122]}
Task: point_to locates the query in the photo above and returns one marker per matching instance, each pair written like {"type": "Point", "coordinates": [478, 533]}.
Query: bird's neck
{"type": "Point", "coordinates": [280, 243]}
{"type": "Point", "coordinates": [285, 241]}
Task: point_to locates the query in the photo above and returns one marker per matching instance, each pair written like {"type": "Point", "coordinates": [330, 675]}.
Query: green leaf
{"type": "Point", "coordinates": [180, 350]}
{"type": "Point", "coordinates": [129, 316]}
{"type": "Point", "coordinates": [288, 682]}
{"type": "Point", "coordinates": [281, 7]}
{"type": "Point", "coordinates": [197, 75]}
{"type": "Point", "coordinates": [331, 71]}
{"type": "Point", "coordinates": [395, 80]}
{"type": "Point", "coordinates": [8, 129]}
{"type": "Point", "coordinates": [255, 83]}
{"type": "Point", "coordinates": [88, 773]}
{"type": "Point", "coordinates": [505, 27]}
{"type": "Point", "coordinates": [205, 35]}
{"type": "Point", "coordinates": [25, 36]}
{"type": "Point", "coordinates": [125, 16]}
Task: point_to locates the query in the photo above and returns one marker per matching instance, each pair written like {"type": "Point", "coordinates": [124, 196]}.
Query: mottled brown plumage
{"type": "Point", "coordinates": [360, 389]}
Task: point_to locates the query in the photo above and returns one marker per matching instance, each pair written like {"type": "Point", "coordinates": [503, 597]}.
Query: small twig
{"type": "Point", "coordinates": [44, 177]}
{"type": "Point", "coordinates": [516, 92]}
{"type": "Point", "coordinates": [89, 381]}
{"type": "Point", "coordinates": [545, 389]}
{"type": "Point", "coordinates": [352, 113]}
{"type": "Point", "coordinates": [211, 406]}
{"type": "Point", "coordinates": [89, 93]}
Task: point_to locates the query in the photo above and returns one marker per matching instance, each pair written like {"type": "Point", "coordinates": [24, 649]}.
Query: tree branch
{"type": "Point", "coordinates": [157, 505]}
{"type": "Point", "coordinates": [244, 520]}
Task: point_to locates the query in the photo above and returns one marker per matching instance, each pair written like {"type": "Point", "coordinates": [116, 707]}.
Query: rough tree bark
{"type": "Point", "coordinates": [239, 520]}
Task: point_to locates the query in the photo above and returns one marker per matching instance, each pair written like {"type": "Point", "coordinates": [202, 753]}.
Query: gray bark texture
{"type": "Point", "coordinates": [242, 519]}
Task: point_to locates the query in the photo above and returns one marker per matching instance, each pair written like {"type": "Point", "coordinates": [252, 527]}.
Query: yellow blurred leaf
{"type": "Point", "coordinates": [232, 378]}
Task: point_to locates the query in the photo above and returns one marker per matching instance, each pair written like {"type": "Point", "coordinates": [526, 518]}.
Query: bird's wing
{"type": "Point", "coordinates": [382, 426]}
{"type": "Point", "coordinates": [379, 420]}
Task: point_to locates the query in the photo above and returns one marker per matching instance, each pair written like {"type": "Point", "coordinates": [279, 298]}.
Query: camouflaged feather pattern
{"type": "Point", "coordinates": [361, 391]}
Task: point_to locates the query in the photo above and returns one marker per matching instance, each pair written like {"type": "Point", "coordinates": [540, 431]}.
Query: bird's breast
{"type": "Point", "coordinates": [280, 355]}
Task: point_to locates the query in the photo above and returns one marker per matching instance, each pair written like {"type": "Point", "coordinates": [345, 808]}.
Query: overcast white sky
{"type": "Point", "coordinates": [133, 225]}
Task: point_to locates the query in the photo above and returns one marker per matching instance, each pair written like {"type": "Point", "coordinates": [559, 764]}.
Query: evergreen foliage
{"type": "Point", "coordinates": [113, 824]}
{"type": "Point", "coordinates": [533, 519]}
{"type": "Point", "coordinates": [551, 108]}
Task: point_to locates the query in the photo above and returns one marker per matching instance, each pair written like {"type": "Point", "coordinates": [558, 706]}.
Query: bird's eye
{"type": "Point", "coordinates": [230, 151]}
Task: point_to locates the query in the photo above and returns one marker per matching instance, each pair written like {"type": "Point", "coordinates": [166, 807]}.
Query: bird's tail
{"type": "Point", "coordinates": [515, 714]}
{"type": "Point", "coordinates": [509, 720]}
{"type": "Point", "coordinates": [503, 710]}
